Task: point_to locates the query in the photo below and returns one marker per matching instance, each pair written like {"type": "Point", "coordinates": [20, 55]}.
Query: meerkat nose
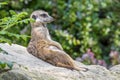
{"type": "Point", "coordinates": [52, 19]}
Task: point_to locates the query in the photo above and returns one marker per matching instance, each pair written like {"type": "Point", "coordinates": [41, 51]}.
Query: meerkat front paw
{"type": "Point", "coordinates": [59, 46]}
{"type": "Point", "coordinates": [56, 44]}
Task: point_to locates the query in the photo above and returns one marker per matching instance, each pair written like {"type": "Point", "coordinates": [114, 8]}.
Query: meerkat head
{"type": "Point", "coordinates": [41, 17]}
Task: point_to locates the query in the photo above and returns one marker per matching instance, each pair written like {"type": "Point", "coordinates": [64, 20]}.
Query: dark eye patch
{"type": "Point", "coordinates": [43, 15]}
{"type": "Point", "coordinates": [34, 17]}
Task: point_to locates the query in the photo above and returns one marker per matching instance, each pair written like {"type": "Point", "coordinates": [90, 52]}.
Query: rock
{"type": "Point", "coordinates": [115, 70]}
{"type": "Point", "coordinates": [28, 67]}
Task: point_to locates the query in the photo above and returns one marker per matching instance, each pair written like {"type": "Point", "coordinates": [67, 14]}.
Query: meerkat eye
{"type": "Point", "coordinates": [33, 16]}
{"type": "Point", "coordinates": [43, 15]}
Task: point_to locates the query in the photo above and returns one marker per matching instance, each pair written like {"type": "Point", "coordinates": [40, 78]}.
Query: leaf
{"type": "Point", "coordinates": [5, 40]}
{"type": "Point", "coordinates": [3, 3]}
{"type": "Point", "coordinates": [12, 12]}
{"type": "Point", "coordinates": [2, 65]}
{"type": "Point", "coordinates": [10, 64]}
{"type": "Point", "coordinates": [4, 52]}
{"type": "Point", "coordinates": [1, 50]}
{"type": "Point", "coordinates": [24, 37]}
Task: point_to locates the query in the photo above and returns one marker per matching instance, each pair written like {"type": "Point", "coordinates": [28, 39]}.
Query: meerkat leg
{"type": "Point", "coordinates": [72, 68]}
{"type": "Point", "coordinates": [59, 64]}
{"type": "Point", "coordinates": [50, 59]}
{"type": "Point", "coordinates": [67, 66]}
{"type": "Point", "coordinates": [51, 62]}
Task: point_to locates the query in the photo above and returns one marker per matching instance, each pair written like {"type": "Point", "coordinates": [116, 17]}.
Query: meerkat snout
{"type": "Point", "coordinates": [41, 16]}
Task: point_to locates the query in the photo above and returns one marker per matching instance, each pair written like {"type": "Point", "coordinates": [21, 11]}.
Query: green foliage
{"type": "Point", "coordinates": [6, 65]}
{"type": "Point", "coordinates": [92, 23]}
{"type": "Point", "coordinates": [8, 32]}
{"type": "Point", "coordinates": [7, 23]}
{"type": "Point", "coordinates": [10, 27]}
{"type": "Point", "coordinates": [3, 3]}
{"type": "Point", "coordinates": [79, 25]}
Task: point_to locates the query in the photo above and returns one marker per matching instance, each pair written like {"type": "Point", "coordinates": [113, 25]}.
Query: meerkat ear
{"type": "Point", "coordinates": [34, 17]}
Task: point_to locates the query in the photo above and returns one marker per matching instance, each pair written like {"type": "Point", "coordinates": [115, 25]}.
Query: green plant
{"type": "Point", "coordinates": [9, 32]}
{"type": "Point", "coordinates": [5, 66]}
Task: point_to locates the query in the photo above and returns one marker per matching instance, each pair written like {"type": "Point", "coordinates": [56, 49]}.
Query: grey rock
{"type": "Point", "coordinates": [28, 67]}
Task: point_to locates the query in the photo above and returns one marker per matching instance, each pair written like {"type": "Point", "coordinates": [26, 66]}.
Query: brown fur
{"type": "Point", "coordinates": [43, 47]}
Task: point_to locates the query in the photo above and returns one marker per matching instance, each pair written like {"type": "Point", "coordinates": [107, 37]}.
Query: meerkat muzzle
{"type": "Point", "coordinates": [52, 19]}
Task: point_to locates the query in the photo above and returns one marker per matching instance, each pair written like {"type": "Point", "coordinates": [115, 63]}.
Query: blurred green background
{"type": "Point", "coordinates": [79, 25]}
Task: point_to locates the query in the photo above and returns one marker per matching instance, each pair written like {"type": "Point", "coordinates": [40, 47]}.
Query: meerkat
{"type": "Point", "coordinates": [42, 46]}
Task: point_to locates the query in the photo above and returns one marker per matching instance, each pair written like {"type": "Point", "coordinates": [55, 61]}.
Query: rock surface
{"type": "Point", "coordinates": [28, 67]}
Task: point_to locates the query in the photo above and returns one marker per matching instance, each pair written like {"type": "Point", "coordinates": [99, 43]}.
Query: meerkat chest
{"type": "Point", "coordinates": [41, 31]}
{"type": "Point", "coordinates": [48, 35]}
